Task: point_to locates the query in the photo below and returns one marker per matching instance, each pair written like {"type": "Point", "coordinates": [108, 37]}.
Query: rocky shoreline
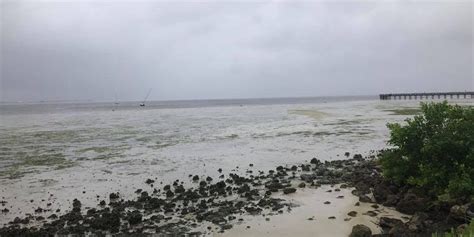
{"type": "Point", "coordinates": [211, 205]}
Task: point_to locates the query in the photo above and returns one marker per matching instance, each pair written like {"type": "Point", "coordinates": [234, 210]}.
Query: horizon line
{"type": "Point", "coordinates": [174, 100]}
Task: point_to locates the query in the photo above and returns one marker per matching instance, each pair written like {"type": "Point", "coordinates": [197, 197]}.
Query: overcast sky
{"type": "Point", "coordinates": [92, 50]}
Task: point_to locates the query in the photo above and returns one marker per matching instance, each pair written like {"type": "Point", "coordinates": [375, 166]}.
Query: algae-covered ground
{"type": "Point", "coordinates": [404, 111]}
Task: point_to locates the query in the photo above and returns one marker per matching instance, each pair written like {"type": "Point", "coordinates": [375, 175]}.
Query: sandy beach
{"type": "Point", "coordinates": [311, 217]}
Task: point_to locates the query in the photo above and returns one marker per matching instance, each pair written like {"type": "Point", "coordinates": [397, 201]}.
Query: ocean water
{"type": "Point", "coordinates": [53, 153]}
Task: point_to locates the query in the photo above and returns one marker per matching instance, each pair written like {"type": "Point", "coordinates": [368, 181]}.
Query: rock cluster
{"type": "Point", "coordinates": [177, 210]}
{"type": "Point", "coordinates": [360, 231]}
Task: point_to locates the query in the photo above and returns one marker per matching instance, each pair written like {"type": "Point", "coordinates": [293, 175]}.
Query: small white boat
{"type": "Point", "coordinates": [146, 97]}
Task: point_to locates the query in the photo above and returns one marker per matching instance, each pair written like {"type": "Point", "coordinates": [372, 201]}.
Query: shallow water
{"type": "Point", "coordinates": [57, 153]}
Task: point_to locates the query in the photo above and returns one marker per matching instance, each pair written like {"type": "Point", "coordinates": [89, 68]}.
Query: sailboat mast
{"type": "Point", "coordinates": [146, 97]}
{"type": "Point", "coordinates": [115, 102]}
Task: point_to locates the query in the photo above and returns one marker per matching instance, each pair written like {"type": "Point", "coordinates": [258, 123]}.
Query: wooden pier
{"type": "Point", "coordinates": [427, 96]}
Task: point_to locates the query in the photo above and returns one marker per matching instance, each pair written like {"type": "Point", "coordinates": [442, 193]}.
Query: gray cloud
{"type": "Point", "coordinates": [82, 50]}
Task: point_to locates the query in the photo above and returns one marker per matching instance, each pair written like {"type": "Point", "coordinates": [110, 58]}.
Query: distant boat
{"type": "Point", "coordinates": [146, 97]}
{"type": "Point", "coordinates": [115, 103]}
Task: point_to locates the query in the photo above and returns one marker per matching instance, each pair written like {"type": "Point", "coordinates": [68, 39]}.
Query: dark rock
{"type": "Point", "coordinates": [365, 198]}
{"type": "Point", "coordinates": [470, 210]}
{"type": "Point", "coordinates": [289, 190]}
{"type": "Point", "coordinates": [91, 212]}
{"type": "Point", "coordinates": [362, 188]}
{"type": "Point", "coordinates": [315, 161]}
{"type": "Point", "coordinates": [76, 205]}
{"type": "Point", "coordinates": [18, 220]}
{"type": "Point", "coordinates": [391, 200]}
{"type": "Point", "coordinates": [371, 213]}
{"type": "Point", "coordinates": [381, 192]}
{"type": "Point", "coordinates": [114, 196]}
{"type": "Point", "coordinates": [253, 210]}
{"type": "Point", "coordinates": [410, 204]}
{"type": "Point", "coordinates": [417, 222]}
{"type": "Point", "coordinates": [459, 213]}
{"type": "Point", "coordinates": [226, 226]}
{"type": "Point", "coordinates": [179, 189]}
{"type": "Point", "coordinates": [274, 186]}
{"type": "Point", "coordinates": [400, 230]}
{"type": "Point", "coordinates": [308, 177]}
{"type": "Point", "coordinates": [73, 217]}
{"type": "Point", "coordinates": [169, 194]}
{"type": "Point", "coordinates": [134, 218]}
{"type": "Point", "coordinates": [387, 222]}
{"type": "Point", "coordinates": [360, 231]}
{"type": "Point", "coordinates": [352, 213]}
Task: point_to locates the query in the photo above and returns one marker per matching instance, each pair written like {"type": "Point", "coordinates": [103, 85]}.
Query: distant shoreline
{"type": "Point", "coordinates": [27, 108]}
{"type": "Point", "coordinates": [180, 100]}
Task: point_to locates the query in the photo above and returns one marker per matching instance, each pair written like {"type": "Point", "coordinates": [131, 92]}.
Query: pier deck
{"type": "Point", "coordinates": [433, 95]}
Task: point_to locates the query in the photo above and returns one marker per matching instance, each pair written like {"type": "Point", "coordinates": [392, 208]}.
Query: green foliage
{"type": "Point", "coordinates": [434, 150]}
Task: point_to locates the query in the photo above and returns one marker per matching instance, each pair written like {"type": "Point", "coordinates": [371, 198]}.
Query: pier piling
{"type": "Point", "coordinates": [432, 95]}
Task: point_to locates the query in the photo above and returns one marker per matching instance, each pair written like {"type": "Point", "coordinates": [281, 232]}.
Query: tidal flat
{"type": "Point", "coordinates": [49, 158]}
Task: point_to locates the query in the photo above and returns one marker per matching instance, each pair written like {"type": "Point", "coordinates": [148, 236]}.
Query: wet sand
{"type": "Point", "coordinates": [311, 205]}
